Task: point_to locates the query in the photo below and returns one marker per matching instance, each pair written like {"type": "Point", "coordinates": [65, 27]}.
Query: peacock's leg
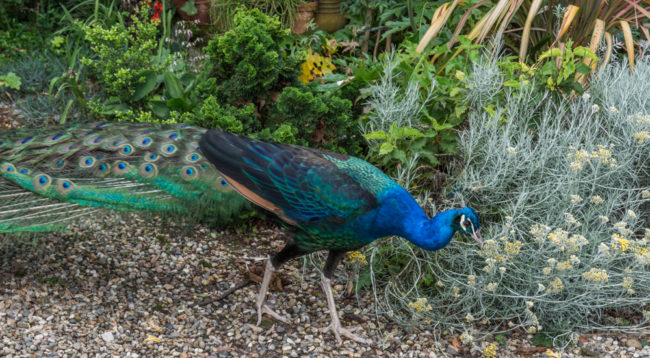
{"type": "Point", "coordinates": [272, 264]}
{"type": "Point", "coordinates": [261, 297]}
{"type": "Point", "coordinates": [326, 281]}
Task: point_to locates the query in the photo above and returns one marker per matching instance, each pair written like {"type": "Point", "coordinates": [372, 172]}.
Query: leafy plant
{"type": "Point", "coordinates": [10, 80]}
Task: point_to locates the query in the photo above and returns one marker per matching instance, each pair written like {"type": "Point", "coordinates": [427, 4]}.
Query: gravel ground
{"type": "Point", "coordinates": [128, 285]}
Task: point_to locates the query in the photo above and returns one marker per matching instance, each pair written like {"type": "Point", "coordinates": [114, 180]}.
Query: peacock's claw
{"type": "Point", "coordinates": [266, 309]}
{"type": "Point", "coordinates": [338, 331]}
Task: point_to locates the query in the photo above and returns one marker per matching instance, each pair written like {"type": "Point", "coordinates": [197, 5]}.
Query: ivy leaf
{"type": "Point", "coordinates": [189, 8]}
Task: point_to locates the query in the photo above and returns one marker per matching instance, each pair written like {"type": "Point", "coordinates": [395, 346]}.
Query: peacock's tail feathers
{"type": "Point", "coordinates": [51, 177]}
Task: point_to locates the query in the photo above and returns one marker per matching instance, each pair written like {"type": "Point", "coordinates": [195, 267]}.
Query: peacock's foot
{"type": "Point", "coordinates": [338, 331]}
{"type": "Point", "coordinates": [266, 309]}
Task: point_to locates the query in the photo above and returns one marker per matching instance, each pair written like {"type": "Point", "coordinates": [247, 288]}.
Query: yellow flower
{"type": "Point", "coordinates": [511, 150]}
{"type": "Point", "coordinates": [575, 198]}
{"type": "Point", "coordinates": [469, 318]}
{"type": "Point", "coordinates": [645, 194]}
{"type": "Point", "coordinates": [456, 291]}
{"type": "Point", "coordinates": [613, 109]}
{"type": "Point", "coordinates": [466, 338]}
{"type": "Point", "coordinates": [641, 137]}
{"type": "Point", "coordinates": [631, 213]}
{"type": "Point", "coordinates": [547, 270]}
{"type": "Point", "coordinates": [596, 200]}
{"type": "Point", "coordinates": [420, 305]}
{"type": "Point", "coordinates": [603, 218]}
{"type": "Point", "coordinates": [570, 220]}
{"type": "Point", "coordinates": [490, 351]}
{"type": "Point", "coordinates": [596, 275]}
{"type": "Point", "coordinates": [564, 266]}
{"type": "Point", "coordinates": [627, 282]}
{"type": "Point", "coordinates": [315, 66]}
{"type": "Point", "coordinates": [357, 256]}
{"type": "Point", "coordinates": [512, 248]}
{"type": "Point", "coordinates": [619, 242]}
{"type": "Point", "coordinates": [491, 287]}
{"type": "Point", "coordinates": [471, 280]}
{"type": "Point", "coordinates": [555, 286]}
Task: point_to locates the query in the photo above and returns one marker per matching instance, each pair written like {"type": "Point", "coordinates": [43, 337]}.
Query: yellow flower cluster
{"type": "Point", "coordinates": [581, 157]}
{"type": "Point", "coordinates": [491, 250]}
{"type": "Point", "coordinates": [564, 266]}
{"type": "Point", "coordinates": [420, 305]}
{"type": "Point", "coordinates": [620, 243]}
{"type": "Point", "coordinates": [490, 351]}
{"type": "Point", "coordinates": [575, 198]}
{"type": "Point", "coordinates": [566, 243]}
{"type": "Point", "coordinates": [555, 286]}
{"type": "Point", "coordinates": [513, 248]}
{"type": "Point", "coordinates": [534, 322]}
{"type": "Point", "coordinates": [491, 287]}
{"type": "Point", "coordinates": [627, 282]}
{"type": "Point", "coordinates": [357, 256]}
{"type": "Point", "coordinates": [596, 275]}
{"type": "Point", "coordinates": [466, 338]}
{"type": "Point", "coordinates": [640, 119]}
{"type": "Point", "coordinates": [596, 200]}
{"type": "Point", "coordinates": [469, 318]}
{"type": "Point", "coordinates": [571, 220]}
{"type": "Point", "coordinates": [471, 280]}
{"type": "Point", "coordinates": [641, 136]}
{"type": "Point", "coordinates": [621, 226]}
{"type": "Point", "coordinates": [645, 194]}
{"type": "Point", "coordinates": [539, 232]}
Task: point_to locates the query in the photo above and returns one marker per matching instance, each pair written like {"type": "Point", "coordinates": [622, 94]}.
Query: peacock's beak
{"type": "Point", "coordinates": [476, 235]}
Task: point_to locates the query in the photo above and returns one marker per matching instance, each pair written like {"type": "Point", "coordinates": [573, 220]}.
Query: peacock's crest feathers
{"type": "Point", "coordinates": [50, 177]}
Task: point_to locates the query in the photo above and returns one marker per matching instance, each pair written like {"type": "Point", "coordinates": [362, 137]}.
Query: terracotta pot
{"type": "Point", "coordinates": [304, 14]}
{"type": "Point", "coordinates": [202, 13]}
{"type": "Point", "coordinates": [329, 17]}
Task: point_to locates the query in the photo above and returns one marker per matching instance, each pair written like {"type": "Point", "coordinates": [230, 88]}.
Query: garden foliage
{"type": "Point", "coordinates": [563, 189]}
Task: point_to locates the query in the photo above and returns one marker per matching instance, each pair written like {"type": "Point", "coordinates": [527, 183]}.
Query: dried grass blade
{"type": "Point", "coordinates": [567, 20]}
{"type": "Point", "coordinates": [629, 42]}
{"type": "Point", "coordinates": [596, 36]}
{"type": "Point", "coordinates": [438, 20]}
{"type": "Point", "coordinates": [525, 37]}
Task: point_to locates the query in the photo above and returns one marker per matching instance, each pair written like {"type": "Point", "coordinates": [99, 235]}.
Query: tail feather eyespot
{"type": "Point", "coordinates": [148, 170]}
{"type": "Point", "coordinates": [41, 181]}
{"type": "Point", "coordinates": [63, 186]}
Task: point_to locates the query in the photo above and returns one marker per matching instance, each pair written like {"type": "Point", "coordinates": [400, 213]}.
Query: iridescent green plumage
{"type": "Point", "coordinates": [48, 178]}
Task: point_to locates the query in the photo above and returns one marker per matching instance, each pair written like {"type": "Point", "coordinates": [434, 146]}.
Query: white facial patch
{"type": "Point", "coordinates": [462, 222]}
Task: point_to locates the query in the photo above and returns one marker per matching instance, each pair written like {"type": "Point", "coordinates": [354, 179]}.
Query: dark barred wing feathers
{"type": "Point", "coordinates": [300, 185]}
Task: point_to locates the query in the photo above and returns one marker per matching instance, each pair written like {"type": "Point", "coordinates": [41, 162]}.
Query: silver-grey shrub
{"type": "Point", "coordinates": [564, 193]}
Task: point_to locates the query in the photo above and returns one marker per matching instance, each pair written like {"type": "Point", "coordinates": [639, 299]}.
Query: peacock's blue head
{"type": "Point", "coordinates": [466, 222]}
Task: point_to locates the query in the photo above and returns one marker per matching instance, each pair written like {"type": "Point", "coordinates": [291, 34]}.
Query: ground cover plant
{"type": "Point", "coordinates": [564, 189]}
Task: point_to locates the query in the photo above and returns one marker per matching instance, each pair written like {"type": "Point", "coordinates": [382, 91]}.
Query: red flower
{"type": "Point", "coordinates": [157, 9]}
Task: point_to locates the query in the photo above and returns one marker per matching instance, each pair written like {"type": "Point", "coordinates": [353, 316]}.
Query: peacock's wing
{"type": "Point", "coordinates": [50, 177]}
{"type": "Point", "coordinates": [303, 186]}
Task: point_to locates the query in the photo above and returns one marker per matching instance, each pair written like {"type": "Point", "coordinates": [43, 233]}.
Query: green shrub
{"type": "Point", "coordinates": [251, 60]}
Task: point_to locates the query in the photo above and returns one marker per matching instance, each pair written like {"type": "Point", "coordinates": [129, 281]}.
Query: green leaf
{"type": "Point", "coordinates": [409, 132]}
{"type": "Point", "coordinates": [173, 85]}
{"type": "Point", "coordinates": [541, 339]}
{"type": "Point", "coordinates": [10, 80]}
{"type": "Point", "coordinates": [189, 8]}
{"type": "Point", "coordinates": [512, 83]}
{"type": "Point", "coordinates": [179, 103]}
{"type": "Point", "coordinates": [159, 108]}
{"type": "Point", "coordinates": [375, 135]}
{"type": "Point", "coordinates": [144, 88]}
{"type": "Point", "coordinates": [386, 148]}
{"type": "Point", "coordinates": [583, 68]}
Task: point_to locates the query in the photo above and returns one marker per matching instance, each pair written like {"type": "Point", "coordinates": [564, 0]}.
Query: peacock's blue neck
{"type": "Point", "coordinates": [401, 215]}
{"type": "Point", "coordinates": [430, 234]}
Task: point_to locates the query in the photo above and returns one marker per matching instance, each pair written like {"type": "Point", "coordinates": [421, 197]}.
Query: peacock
{"type": "Point", "coordinates": [328, 201]}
